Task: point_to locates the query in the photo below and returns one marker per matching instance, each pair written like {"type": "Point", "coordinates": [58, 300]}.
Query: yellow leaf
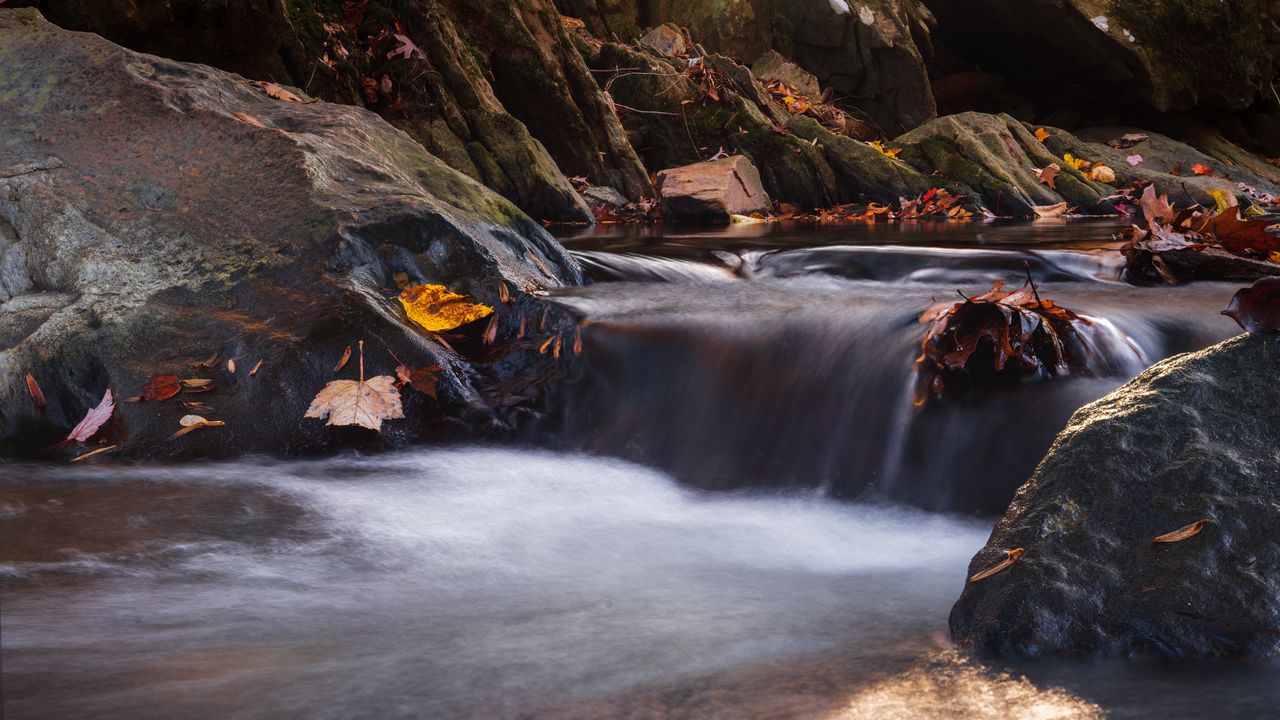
{"type": "Point", "coordinates": [437, 308]}
{"type": "Point", "coordinates": [1074, 162]}
{"type": "Point", "coordinates": [1223, 198]}
{"type": "Point", "coordinates": [1041, 134]}
{"type": "Point", "coordinates": [890, 152]}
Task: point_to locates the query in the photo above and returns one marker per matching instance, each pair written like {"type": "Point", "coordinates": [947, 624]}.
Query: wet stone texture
{"type": "Point", "coordinates": [1194, 437]}
{"type": "Point", "coordinates": [156, 213]}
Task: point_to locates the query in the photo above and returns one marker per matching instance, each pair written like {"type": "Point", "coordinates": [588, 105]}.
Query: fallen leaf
{"type": "Point", "coordinates": [1257, 307]}
{"type": "Point", "coordinates": [1134, 160]}
{"type": "Point", "coordinates": [256, 368]}
{"type": "Point", "coordinates": [1050, 211]}
{"type": "Point", "coordinates": [249, 119]}
{"type": "Point", "coordinates": [280, 93]}
{"type": "Point", "coordinates": [358, 403]}
{"type": "Point", "coordinates": [1042, 134]}
{"type": "Point", "coordinates": [542, 349]}
{"type": "Point", "coordinates": [191, 423]}
{"type": "Point", "coordinates": [503, 293]}
{"type": "Point", "coordinates": [1127, 140]}
{"type": "Point", "coordinates": [196, 383]}
{"type": "Point", "coordinates": [436, 308]}
{"type": "Point", "coordinates": [91, 453]}
{"type": "Point", "coordinates": [161, 387]}
{"type": "Point", "coordinates": [886, 151]}
{"type": "Point", "coordinates": [33, 387]}
{"type": "Point", "coordinates": [491, 332]}
{"type": "Point", "coordinates": [209, 361]}
{"type": "Point", "coordinates": [421, 379]}
{"type": "Point", "coordinates": [1102, 174]}
{"type": "Point", "coordinates": [231, 365]}
{"type": "Point", "coordinates": [1182, 533]}
{"type": "Point", "coordinates": [1198, 169]}
{"type": "Point", "coordinates": [407, 49]}
{"type": "Point", "coordinates": [342, 361]}
{"type": "Point", "coordinates": [577, 340]}
{"type": "Point", "coordinates": [93, 420]}
{"type": "Point", "coordinates": [1155, 208]}
{"type": "Point", "coordinates": [1222, 199]}
{"type": "Point", "coordinates": [1011, 557]}
{"type": "Point", "coordinates": [1048, 174]}
{"type": "Point", "coordinates": [1075, 162]}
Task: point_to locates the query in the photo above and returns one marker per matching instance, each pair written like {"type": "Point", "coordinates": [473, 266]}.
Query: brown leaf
{"type": "Point", "coordinates": [1182, 533]}
{"type": "Point", "coordinates": [249, 119]}
{"type": "Point", "coordinates": [1011, 557]}
{"type": "Point", "coordinates": [503, 293]}
{"type": "Point", "coordinates": [577, 340]}
{"type": "Point", "coordinates": [1240, 235]}
{"type": "Point", "coordinates": [1127, 140]}
{"type": "Point", "coordinates": [93, 420]}
{"type": "Point", "coordinates": [256, 368]}
{"type": "Point", "coordinates": [1155, 209]}
{"type": "Point", "coordinates": [231, 365]}
{"type": "Point", "coordinates": [1050, 211]}
{"type": "Point", "coordinates": [208, 362]}
{"type": "Point", "coordinates": [161, 387]}
{"type": "Point", "coordinates": [342, 361]}
{"type": "Point", "coordinates": [1257, 307]}
{"type": "Point", "coordinates": [358, 402]}
{"type": "Point", "coordinates": [91, 453]}
{"type": "Point", "coordinates": [280, 93]}
{"type": "Point", "coordinates": [421, 379]}
{"type": "Point", "coordinates": [33, 387]}
{"type": "Point", "coordinates": [191, 423]}
{"type": "Point", "coordinates": [491, 332]}
{"type": "Point", "coordinates": [542, 350]}
{"type": "Point", "coordinates": [196, 383]}
{"type": "Point", "coordinates": [1048, 174]}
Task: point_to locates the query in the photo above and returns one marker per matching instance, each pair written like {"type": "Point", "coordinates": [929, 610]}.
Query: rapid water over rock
{"type": "Point", "coordinates": [732, 365]}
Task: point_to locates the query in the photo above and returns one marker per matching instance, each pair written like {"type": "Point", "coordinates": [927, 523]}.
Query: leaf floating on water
{"type": "Point", "coordinates": [93, 420]}
{"type": "Point", "coordinates": [1257, 308]}
{"type": "Point", "coordinates": [33, 387]}
{"type": "Point", "coordinates": [1011, 557]}
{"type": "Point", "coordinates": [91, 453]}
{"type": "Point", "coordinates": [161, 387]}
{"type": "Point", "coordinates": [1182, 533]}
{"type": "Point", "coordinates": [437, 308]}
{"type": "Point", "coordinates": [358, 403]}
{"type": "Point", "coordinates": [342, 361]}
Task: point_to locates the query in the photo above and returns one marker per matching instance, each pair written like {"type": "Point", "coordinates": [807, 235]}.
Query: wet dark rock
{"type": "Point", "coordinates": [155, 213]}
{"type": "Point", "coordinates": [1193, 437]}
{"type": "Point", "coordinates": [710, 192]}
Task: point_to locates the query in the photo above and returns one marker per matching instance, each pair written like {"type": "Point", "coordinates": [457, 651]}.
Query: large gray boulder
{"type": "Point", "coordinates": [156, 213]}
{"type": "Point", "coordinates": [1194, 437]}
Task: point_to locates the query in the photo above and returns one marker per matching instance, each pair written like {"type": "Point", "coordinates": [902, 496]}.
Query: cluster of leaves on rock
{"type": "Point", "coordinates": [999, 337]}
{"type": "Point", "coordinates": [1224, 242]}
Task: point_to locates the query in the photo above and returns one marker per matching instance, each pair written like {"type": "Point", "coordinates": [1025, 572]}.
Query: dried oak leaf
{"type": "Point", "coordinates": [1048, 174]}
{"type": "Point", "coordinates": [1240, 235]}
{"type": "Point", "coordinates": [437, 308]}
{"type": "Point", "coordinates": [1155, 208]}
{"type": "Point", "coordinates": [1257, 307]}
{"type": "Point", "coordinates": [407, 49]}
{"type": "Point", "coordinates": [161, 387]}
{"type": "Point", "coordinates": [280, 93]}
{"type": "Point", "coordinates": [422, 379]}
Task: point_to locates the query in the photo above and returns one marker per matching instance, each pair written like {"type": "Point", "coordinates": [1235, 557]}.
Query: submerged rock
{"type": "Point", "coordinates": [712, 191]}
{"type": "Point", "coordinates": [1193, 437]}
{"type": "Point", "coordinates": [156, 213]}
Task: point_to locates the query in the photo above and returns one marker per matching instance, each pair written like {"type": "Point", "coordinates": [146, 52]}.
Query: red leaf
{"type": "Point", "coordinates": [93, 420]}
{"type": "Point", "coordinates": [161, 387]}
{"type": "Point", "coordinates": [36, 393]}
{"type": "Point", "coordinates": [1257, 308]}
{"type": "Point", "coordinates": [1199, 169]}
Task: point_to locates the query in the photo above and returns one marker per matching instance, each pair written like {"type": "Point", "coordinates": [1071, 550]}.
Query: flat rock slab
{"type": "Point", "coordinates": [154, 214]}
{"type": "Point", "coordinates": [710, 192]}
{"type": "Point", "coordinates": [1194, 437]}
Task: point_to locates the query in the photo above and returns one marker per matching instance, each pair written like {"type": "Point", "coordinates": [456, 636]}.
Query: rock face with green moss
{"type": "Point", "coordinates": [996, 157]}
{"type": "Point", "coordinates": [155, 213]}
{"type": "Point", "coordinates": [1192, 438]}
{"type": "Point", "coordinates": [495, 89]}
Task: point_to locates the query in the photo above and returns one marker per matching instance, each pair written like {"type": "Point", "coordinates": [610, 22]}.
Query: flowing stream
{"type": "Point", "coordinates": [734, 512]}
